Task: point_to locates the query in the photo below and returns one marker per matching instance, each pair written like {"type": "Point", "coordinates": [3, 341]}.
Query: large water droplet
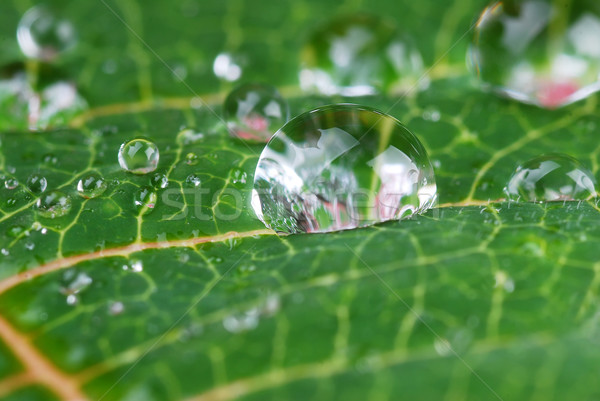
{"type": "Point", "coordinates": [359, 55]}
{"type": "Point", "coordinates": [37, 183]}
{"type": "Point", "coordinates": [538, 52]}
{"type": "Point", "coordinates": [138, 156]}
{"type": "Point", "coordinates": [43, 35]}
{"type": "Point", "coordinates": [53, 204]}
{"type": "Point", "coordinates": [145, 199]}
{"type": "Point", "coordinates": [554, 177]}
{"type": "Point", "coordinates": [341, 167]}
{"type": "Point", "coordinates": [255, 112]}
{"type": "Point", "coordinates": [91, 185]}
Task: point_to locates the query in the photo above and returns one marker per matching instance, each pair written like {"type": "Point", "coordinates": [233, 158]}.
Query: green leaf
{"type": "Point", "coordinates": [195, 299]}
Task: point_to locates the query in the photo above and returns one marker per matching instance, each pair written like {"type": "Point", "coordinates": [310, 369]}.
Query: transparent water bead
{"type": "Point", "coordinates": [553, 177]}
{"type": "Point", "coordinates": [53, 204]}
{"type": "Point", "coordinates": [341, 167]}
{"type": "Point", "coordinates": [145, 199]}
{"type": "Point", "coordinates": [37, 183]}
{"type": "Point", "coordinates": [43, 35]}
{"type": "Point", "coordinates": [255, 111]}
{"type": "Point", "coordinates": [538, 51]}
{"type": "Point", "coordinates": [359, 55]}
{"type": "Point", "coordinates": [11, 183]}
{"type": "Point", "coordinates": [138, 156]}
{"type": "Point", "coordinates": [91, 185]}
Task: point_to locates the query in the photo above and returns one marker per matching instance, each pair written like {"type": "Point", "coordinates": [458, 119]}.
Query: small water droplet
{"type": "Point", "coordinates": [193, 180]}
{"type": "Point", "coordinates": [159, 180]}
{"type": "Point", "coordinates": [11, 183]}
{"type": "Point", "coordinates": [189, 136]}
{"type": "Point", "coordinates": [53, 204]}
{"type": "Point", "coordinates": [246, 269]}
{"type": "Point", "coordinates": [227, 67]}
{"type": "Point", "coordinates": [16, 231]}
{"type": "Point", "coordinates": [249, 319]}
{"type": "Point", "coordinates": [191, 159]}
{"type": "Point", "coordinates": [78, 284]}
{"type": "Point", "coordinates": [432, 115]}
{"type": "Point", "coordinates": [44, 35]}
{"type": "Point", "coordinates": [145, 199]}
{"type": "Point", "coordinates": [238, 176]}
{"type": "Point", "coordinates": [536, 52]}
{"type": "Point", "coordinates": [341, 167]}
{"type": "Point", "coordinates": [255, 112]}
{"type": "Point", "coordinates": [502, 280]}
{"type": "Point", "coordinates": [553, 177]}
{"type": "Point", "coordinates": [4, 252]}
{"type": "Point", "coordinates": [442, 346]}
{"type": "Point", "coordinates": [29, 246]}
{"type": "Point", "coordinates": [91, 185]}
{"type": "Point", "coordinates": [138, 156]}
{"type": "Point", "coordinates": [49, 158]}
{"type": "Point", "coordinates": [360, 55]}
{"type": "Point", "coordinates": [244, 321]}
{"type": "Point", "coordinates": [116, 308]}
{"type": "Point", "coordinates": [37, 183]}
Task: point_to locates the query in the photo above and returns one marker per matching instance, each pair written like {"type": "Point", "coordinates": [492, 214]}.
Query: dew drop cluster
{"type": "Point", "coordinates": [335, 167]}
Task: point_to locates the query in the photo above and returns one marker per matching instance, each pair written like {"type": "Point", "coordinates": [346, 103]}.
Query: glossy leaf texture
{"type": "Point", "coordinates": [194, 299]}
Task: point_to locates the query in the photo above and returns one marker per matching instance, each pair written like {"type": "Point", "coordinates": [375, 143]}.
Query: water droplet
{"type": "Point", "coordinates": [37, 183]}
{"type": "Point", "coordinates": [360, 55]}
{"type": "Point", "coordinates": [502, 280]}
{"type": "Point", "coordinates": [16, 231]}
{"type": "Point", "coordinates": [145, 199]}
{"type": "Point", "coordinates": [432, 115]}
{"type": "Point", "coordinates": [189, 136]}
{"type": "Point", "coordinates": [249, 319]}
{"type": "Point", "coordinates": [29, 246]}
{"type": "Point", "coordinates": [49, 158]}
{"type": "Point", "coordinates": [255, 112]}
{"type": "Point", "coordinates": [537, 53]}
{"type": "Point", "coordinates": [553, 177]}
{"type": "Point", "coordinates": [53, 204]}
{"type": "Point", "coordinates": [116, 308]}
{"type": "Point", "coordinates": [11, 183]}
{"type": "Point", "coordinates": [341, 167]}
{"type": "Point", "coordinates": [246, 269]}
{"type": "Point", "coordinates": [91, 185]}
{"type": "Point", "coordinates": [43, 35]}
{"type": "Point", "coordinates": [227, 67]}
{"type": "Point", "coordinates": [4, 252]}
{"type": "Point", "coordinates": [245, 321]}
{"type": "Point", "coordinates": [138, 156]}
{"type": "Point", "coordinates": [191, 159]}
{"type": "Point", "coordinates": [78, 284]}
{"type": "Point", "coordinates": [193, 180]}
{"type": "Point", "coordinates": [238, 176]}
{"type": "Point", "coordinates": [159, 180]}
{"type": "Point", "coordinates": [442, 346]}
